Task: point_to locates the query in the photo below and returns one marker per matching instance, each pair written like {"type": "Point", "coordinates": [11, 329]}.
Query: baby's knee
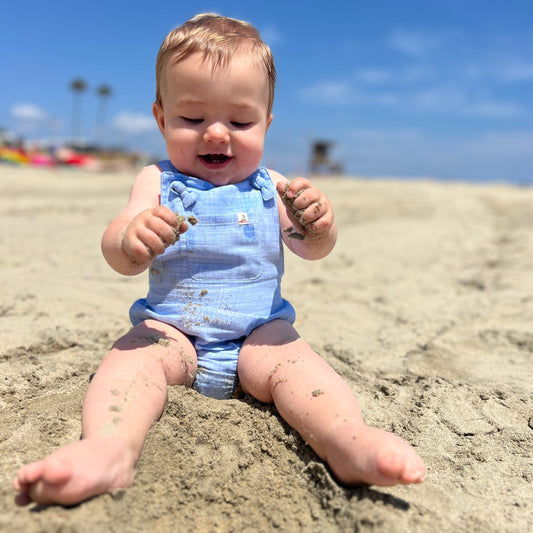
{"type": "Point", "coordinates": [162, 345]}
{"type": "Point", "coordinates": [252, 378]}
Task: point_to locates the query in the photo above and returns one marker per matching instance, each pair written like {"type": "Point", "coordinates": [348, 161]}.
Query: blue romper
{"type": "Point", "coordinates": [222, 279]}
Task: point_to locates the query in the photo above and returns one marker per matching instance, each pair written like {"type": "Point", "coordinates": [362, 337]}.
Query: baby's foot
{"type": "Point", "coordinates": [374, 457]}
{"type": "Point", "coordinates": [75, 473]}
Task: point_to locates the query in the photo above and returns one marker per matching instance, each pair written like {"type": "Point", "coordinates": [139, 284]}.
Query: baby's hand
{"type": "Point", "coordinates": [150, 233]}
{"type": "Point", "coordinates": [308, 207]}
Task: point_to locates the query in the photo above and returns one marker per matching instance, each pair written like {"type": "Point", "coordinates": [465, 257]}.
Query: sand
{"type": "Point", "coordinates": [425, 307]}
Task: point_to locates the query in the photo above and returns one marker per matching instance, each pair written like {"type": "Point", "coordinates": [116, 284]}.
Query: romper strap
{"type": "Point", "coordinates": [166, 166]}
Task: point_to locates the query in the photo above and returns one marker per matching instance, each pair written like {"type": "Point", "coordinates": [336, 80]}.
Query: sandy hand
{"type": "Point", "coordinates": [151, 232]}
{"type": "Point", "coordinates": [307, 207]}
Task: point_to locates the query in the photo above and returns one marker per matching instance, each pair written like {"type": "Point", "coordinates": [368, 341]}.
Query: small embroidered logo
{"type": "Point", "coordinates": [243, 218]}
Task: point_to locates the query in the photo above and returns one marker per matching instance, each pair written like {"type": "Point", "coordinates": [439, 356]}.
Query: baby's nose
{"type": "Point", "coordinates": [216, 133]}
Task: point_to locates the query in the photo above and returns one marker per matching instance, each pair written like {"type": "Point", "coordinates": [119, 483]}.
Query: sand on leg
{"type": "Point", "coordinates": [125, 397]}
{"type": "Point", "coordinates": [275, 365]}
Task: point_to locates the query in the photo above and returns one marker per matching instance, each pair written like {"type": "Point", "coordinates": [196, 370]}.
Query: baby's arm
{"type": "Point", "coordinates": [143, 230]}
{"type": "Point", "coordinates": [306, 217]}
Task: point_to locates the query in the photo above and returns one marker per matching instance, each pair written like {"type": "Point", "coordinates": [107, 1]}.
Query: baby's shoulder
{"type": "Point", "coordinates": [149, 175]}
{"type": "Point", "coordinates": [147, 184]}
{"type": "Point", "coordinates": [276, 177]}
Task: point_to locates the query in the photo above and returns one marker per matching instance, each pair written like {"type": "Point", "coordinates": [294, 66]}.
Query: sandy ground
{"type": "Point", "coordinates": [425, 307]}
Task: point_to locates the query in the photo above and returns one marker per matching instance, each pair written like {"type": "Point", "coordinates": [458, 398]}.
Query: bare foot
{"type": "Point", "coordinates": [75, 473]}
{"type": "Point", "coordinates": [372, 456]}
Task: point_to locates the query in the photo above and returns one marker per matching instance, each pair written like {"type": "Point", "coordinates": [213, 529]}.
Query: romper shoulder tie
{"type": "Point", "coordinates": [261, 180]}
{"type": "Point", "coordinates": [188, 198]}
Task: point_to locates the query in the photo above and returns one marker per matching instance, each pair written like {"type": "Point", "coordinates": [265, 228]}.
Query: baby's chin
{"type": "Point", "coordinates": [216, 170]}
{"type": "Point", "coordinates": [224, 174]}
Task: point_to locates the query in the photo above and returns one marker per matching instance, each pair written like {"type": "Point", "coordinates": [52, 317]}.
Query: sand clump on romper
{"type": "Point", "coordinates": [180, 219]}
{"type": "Point", "coordinates": [424, 307]}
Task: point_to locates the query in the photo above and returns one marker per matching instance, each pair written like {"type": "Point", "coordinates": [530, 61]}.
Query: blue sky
{"type": "Point", "coordinates": [418, 88]}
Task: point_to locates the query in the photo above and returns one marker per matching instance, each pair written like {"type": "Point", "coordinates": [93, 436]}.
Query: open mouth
{"type": "Point", "coordinates": [215, 159]}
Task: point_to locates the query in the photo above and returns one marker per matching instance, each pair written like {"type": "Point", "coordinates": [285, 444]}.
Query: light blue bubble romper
{"type": "Point", "coordinates": [222, 279]}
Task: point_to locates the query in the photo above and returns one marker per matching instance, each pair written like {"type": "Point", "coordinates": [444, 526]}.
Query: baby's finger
{"type": "Point", "coordinates": [296, 185]}
{"type": "Point", "coordinates": [288, 190]}
{"type": "Point", "coordinates": [282, 187]}
{"type": "Point", "coordinates": [155, 244]}
{"type": "Point", "coordinates": [321, 225]}
{"type": "Point", "coordinates": [137, 250]}
{"type": "Point", "coordinates": [166, 214]}
{"type": "Point", "coordinates": [312, 213]}
{"type": "Point", "coordinates": [305, 197]}
{"type": "Point", "coordinates": [160, 228]}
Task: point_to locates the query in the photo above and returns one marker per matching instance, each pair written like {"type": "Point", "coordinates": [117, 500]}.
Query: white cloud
{"type": "Point", "coordinates": [29, 113]}
{"type": "Point", "coordinates": [493, 109]}
{"type": "Point", "coordinates": [452, 99]}
{"type": "Point", "coordinates": [134, 123]}
{"type": "Point", "coordinates": [347, 92]}
{"type": "Point", "coordinates": [506, 144]}
{"type": "Point", "coordinates": [413, 43]}
{"type": "Point", "coordinates": [458, 101]}
{"type": "Point", "coordinates": [376, 135]}
{"type": "Point", "coordinates": [443, 74]}
{"type": "Point", "coordinates": [30, 119]}
{"type": "Point", "coordinates": [517, 71]}
{"type": "Point", "coordinates": [331, 92]}
{"type": "Point", "coordinates": [505, 70]}
{"type": "Point", "coordinates": [412, 152]}
{"type": "Point", "coordinates": [373, 76]}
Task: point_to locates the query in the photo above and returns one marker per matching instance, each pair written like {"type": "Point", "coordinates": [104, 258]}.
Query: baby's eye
{"type": "Point", "coordinates": [193, 120]}
{"type": "Point", "coordinates": [241, 125]}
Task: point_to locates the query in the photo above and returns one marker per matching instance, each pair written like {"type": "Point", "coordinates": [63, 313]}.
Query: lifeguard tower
{"type": "Point", "coordinates": [321, 162]}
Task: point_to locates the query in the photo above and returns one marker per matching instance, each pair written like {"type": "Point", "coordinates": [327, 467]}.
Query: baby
{"type": "Point", "coordinates": [214, 316]}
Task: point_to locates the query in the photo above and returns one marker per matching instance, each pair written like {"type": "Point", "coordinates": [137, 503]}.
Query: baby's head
{"type": "Point", "coordinates": [218, 38]}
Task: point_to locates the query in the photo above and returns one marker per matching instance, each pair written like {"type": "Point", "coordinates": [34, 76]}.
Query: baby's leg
{"type": "Point", "coordinates": [276, 365]}
{"type": "Point", "coordinates": [126, 396]}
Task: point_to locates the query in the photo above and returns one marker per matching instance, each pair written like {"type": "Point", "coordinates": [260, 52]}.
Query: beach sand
{"type": "Point", "coordinates": [425, 307]}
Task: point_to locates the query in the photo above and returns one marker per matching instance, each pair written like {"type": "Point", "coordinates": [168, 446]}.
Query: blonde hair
{"type": "Point", "coordinates": [217, 38]}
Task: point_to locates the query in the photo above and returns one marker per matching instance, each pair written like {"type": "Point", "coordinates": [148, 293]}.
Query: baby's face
{"type": "Point", "coordinates": [214, 121]}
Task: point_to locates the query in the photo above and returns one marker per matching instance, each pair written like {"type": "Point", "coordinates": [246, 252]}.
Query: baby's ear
{"type": "Point", "coordinates": [159, 116]}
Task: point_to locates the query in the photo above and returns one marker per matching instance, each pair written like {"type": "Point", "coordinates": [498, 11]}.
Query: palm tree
{"type": "Point", "coordinates": [77, 86]}
{"type": "Point", "coordinates": [103, 92]}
